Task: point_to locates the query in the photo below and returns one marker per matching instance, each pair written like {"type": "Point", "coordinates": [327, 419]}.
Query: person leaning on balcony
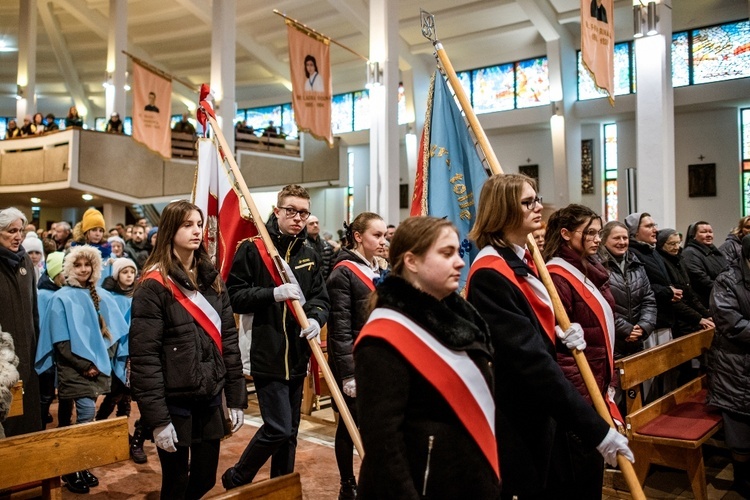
{"type": "Point", "coordinates": [115, 125]}
{"type": "Point", "coordinates": [184, 126]}
{"type": "Point", "coordinates": [73, 120]}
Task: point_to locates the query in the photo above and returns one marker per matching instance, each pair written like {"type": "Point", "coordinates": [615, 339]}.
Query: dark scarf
{"type": "Point", "coordinates": [452, 321]}
{"type": "Point", "coordinates": [12, 259]}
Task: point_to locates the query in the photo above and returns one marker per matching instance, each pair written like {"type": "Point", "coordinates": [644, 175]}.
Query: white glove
{"type": "Point", "coordinates": [572, 337]}
{"type": "Point", "coordinates": [612, 444]}
{"type": "Point", "coordinates": [238, 418]}
{"type": "Point", "coordinates": [287, 291]}
{"type": "Point", "coordinates": [165, 437]}
{"type": "Point", "coordinates": [350, 387]}
{"type": "Point", "coordinates": [312, 331]}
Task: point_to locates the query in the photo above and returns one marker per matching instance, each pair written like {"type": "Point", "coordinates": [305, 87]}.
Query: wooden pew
{"type": "Point", "coordinates": [288, 487]}
{"type": "Point", "coordinates": [16, 405]}
{"type": "Point", "coordinates": [46, 455]}
{"type": "Point", "coordinates": [671, 430]}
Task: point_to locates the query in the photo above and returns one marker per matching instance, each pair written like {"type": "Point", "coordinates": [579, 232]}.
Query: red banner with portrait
{"type": "Point", "coordinates": [598, 43]}
{"type": "Point", "coordinates": [152, 108]}
{"type": "Point", "coordinates": [310, 70]}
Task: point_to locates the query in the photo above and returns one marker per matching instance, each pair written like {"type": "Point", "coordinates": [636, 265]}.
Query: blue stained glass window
{"type": "Point", "coordinates": [532, 83]}
{"type": "Point", "coordinates": [258, 118]}
{"type": "Point", "coordinates": [128, 126]}
{"type": "Point", "coordinates": [288, 125]}
{"type": "Point", "coordinates": [342, 117]}
{"type": "Point", "coordinates": [3, 126]}
{"type": "Point", "coordinates": [465, 78]}
{"type": "Point", "coordinates": [746, 134]}
{"type": "Point", "coordinates": [361, 110]}
{"type": "Point", "coordinates": [721, 52]}
{"type": "Point", "coordinates": [493, 89]}
{"type": "Point", "coordinates": [100, 124]}
{"type": "Point", "coordinates": [239, 116]}
{"type": "Point", "coordinates": [680, 60]}
{"type": "Point", "coordinates": [624, 77]}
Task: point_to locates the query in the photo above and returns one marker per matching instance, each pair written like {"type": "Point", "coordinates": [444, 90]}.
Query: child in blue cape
{"type": "Point", "coordinates": [85, 335]}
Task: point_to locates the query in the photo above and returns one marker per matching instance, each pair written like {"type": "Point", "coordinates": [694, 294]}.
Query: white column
{"type": "Point", "coordinates": [384, 133]}
{"type": "Point", "coordinates": [117, 41]}
{"type": "Point", "coordinates": [655, 122]}
{"type": "Point", "coordinates": [26, 78]}
{"type": "Point", "coordinates": [112, 215]}
{"type": "Point", "coordinates": [223, 36]}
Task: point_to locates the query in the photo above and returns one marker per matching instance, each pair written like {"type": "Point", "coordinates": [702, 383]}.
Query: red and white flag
{"type": "Point", "coordinates": [228, 220]}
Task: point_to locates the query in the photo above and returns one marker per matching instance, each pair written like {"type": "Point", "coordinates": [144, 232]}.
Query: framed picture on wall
{"type": "Point", "coordinates": [403, 196]}
{"type": "Point", "coordinates": [530, 171]}
{"type": "Point", "coordinates": [702, 180]}
{"type": "Point", "coordinates": [587, 166]}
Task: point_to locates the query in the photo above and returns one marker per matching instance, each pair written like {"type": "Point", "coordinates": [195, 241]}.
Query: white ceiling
{"type": "Point", "coordinates": [175, 35]}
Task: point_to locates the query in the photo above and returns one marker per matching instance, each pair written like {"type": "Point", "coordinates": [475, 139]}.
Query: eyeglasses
{"type": "Point", "coordinates": [292, 212]}
{"type": "Point", "coordinates": [531, 204]}
{"type": "Point", "coordinates": [590, 233]}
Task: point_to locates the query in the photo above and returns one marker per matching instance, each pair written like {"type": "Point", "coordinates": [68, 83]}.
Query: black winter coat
{"type": "Point", "coordinates": [19, 317]}
{"type": "Point", "coordinates": [635, 303]}
{"type": "Point", "coordinates": [535, 402]}
{"type": "Point", "coordinates": [658, 276]}
{"type": "Point", "coordinates": [174, 363]}
{"type": "Point", "coordinates": [689, 310]}
{"type": "Point", "coordinates": [728, 360]}
{"type": "Point", "coordinates": [400, 411]}
{"type": "Point", "coordinates": [276, 349]}
{"type": "Point", "coordinates": [732, 249]}
{"type": "Point", "coordinates": [350, 299]}
{"type": "Point", "coordinates": [703, 264]}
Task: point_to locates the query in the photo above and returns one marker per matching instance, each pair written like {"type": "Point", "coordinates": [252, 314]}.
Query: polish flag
{"type": "Point", "coordinates": [227, 219]}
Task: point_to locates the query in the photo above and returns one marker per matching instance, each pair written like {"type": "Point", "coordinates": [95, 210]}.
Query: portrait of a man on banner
{"type": "Point", "coordinates": [310, 70]}
{"type": "Point", "coordinates": [152, 108]}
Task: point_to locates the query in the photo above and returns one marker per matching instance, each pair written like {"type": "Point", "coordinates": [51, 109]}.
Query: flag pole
{"type": "Point", "coordinates": [428, 30]}
{"type": "Point", "coordinates": [299, 313]}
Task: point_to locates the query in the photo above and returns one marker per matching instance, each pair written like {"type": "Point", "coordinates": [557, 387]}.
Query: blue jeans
{"type": "Point", "coordinates": [85, 410]}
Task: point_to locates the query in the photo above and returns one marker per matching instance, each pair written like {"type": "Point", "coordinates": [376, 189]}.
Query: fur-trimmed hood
{"type": "Point", "coordinates": [453, 321]}
{"type": "Point", "coordinates": [87, 252]}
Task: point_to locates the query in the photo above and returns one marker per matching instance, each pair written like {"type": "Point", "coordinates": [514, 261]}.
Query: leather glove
{"type": "Point", "coordinates": [287, 291]}
{"type": "Point", "coordinates": [613, 444]}
{"type": "Point", "coordinates": [572, 337]}
{"type": "Point", "coordinates": [238, 418]}
{"type": "Point", "coordinates": [165, 437]}
{"type": "Point", "coordinates": [312, 331]}
{"type": "Point", "coordinates": [350, 387]}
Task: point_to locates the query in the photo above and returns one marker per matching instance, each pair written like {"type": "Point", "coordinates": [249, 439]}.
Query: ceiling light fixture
{"type": "Point", "coordinates": [36, 200]}
{"type": "Point", "coordinates": [87, 197]}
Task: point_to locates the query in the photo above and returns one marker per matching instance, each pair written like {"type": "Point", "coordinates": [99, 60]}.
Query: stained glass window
{"type": "Point", "coordinates": [127, 126]}
{"type": "Point", "coordinates": [610, 171]}
{"type": "Point", "coordinates": [680, 60]}
{"type": "Point", "coordinates": [465, 78]}
{"type": "Point", "coordinates": [100, 124]}
{"type": "Point", "coordinates": [342, 114]}
{"type": "Point", "coordinates": [721, 52]}
{"type": "Point", "coordinates": [745, 134]}
{"type": "Point", "coordinates": [258, 118]}
{"type": "Point", "coordinates": [624, 74]}
{"type": "Point", "coordinates": [239, 116]}
{"type": "Point", "coordinates": [361, 110]}
{"type": "Point", "coordinates": [402, 117]}
{"type": "Point", "coordinates": [3, 126]}
{"type": "Point", "coordinates": [532, 83]}
{"type": "Point", "coordinates": [288, 125]}
{"type": "Point", "coordinates": [493, 89]}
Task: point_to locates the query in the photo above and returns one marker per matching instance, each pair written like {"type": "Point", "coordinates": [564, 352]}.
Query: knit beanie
{"type": "Point", "coordinates": [663, 235]}
{"type": "Point", "coordinates": [55, 264]}
{"type": "Point", "coordinates": [92, 218]}
{"type": "Point", "coordinates": [120, 264]}
{"type": "Point", "coordinates": [32, 243]}
{"type": "Point", "coordinates": [152, 232]}
{"type": "Point", "coordinates": [119, 240]}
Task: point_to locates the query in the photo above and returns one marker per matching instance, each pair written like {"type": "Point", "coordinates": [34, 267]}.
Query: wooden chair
{"type": "Point", "coordinates": [288, 487]}
{"type": "Point", "coordinates": [671, 430]}
{"type": "Point", "coordinates": [44, 456]}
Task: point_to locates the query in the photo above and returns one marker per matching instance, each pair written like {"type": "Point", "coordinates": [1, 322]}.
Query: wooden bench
{"type": "Point", "coordinates": [46, 455]}
{"type": "Point", "coordinates": [671, 430]}
{"type": "Point", "coordinates": [287, 487]}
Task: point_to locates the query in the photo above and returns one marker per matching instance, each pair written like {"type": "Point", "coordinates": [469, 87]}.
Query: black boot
{"type": "Point", "coordinates": [348, 490]}
{"type": "Point", "coordinates": [90, 479]}
{"type": "Point", "coordinates": [136, 444]}
{"type": "Point", "coordinates": [76, 483]}
{"type": "Point", "coordinates": [229, 479]}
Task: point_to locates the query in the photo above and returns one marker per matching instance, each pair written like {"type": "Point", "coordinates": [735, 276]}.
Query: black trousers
{"type": "Point", "coordinates": [343, 444]}
{"type": "Point", "coordinates": [118, 396]}
{"type": "Point", "coordinates": [189, 472]}
{"type": "Point", "coordinates": [280, 402]}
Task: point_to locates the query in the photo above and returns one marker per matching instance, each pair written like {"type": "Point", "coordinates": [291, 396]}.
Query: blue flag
{"type": "Point", "coordinates": [450, 173]}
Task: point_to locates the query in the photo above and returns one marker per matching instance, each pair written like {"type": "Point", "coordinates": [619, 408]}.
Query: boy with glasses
{"type": "Point", "coordinates": [279, 351]}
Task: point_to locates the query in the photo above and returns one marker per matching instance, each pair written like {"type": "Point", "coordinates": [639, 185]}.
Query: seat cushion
{"type": "Point", "coordinates": [689, 421]}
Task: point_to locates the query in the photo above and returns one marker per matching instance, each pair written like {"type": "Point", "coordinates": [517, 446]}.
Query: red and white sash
{"type": "Point", "coordinates": [195, 304]}
{"type": "Point", "coordinates": [453, 374]}
{"type": "Point", "coordinates": [531, 287]}
{"type": "Point", "coordinates": [274, 272]}
{"type": "Point", "coordinates": [360, 272]}
{"type": "Point", "coordinates": [599, 306]}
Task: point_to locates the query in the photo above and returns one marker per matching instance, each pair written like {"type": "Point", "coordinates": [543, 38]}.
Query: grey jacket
{"type": "Point", "coordinates": [635, 303]}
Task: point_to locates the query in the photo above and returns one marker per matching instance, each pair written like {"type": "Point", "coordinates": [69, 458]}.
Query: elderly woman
{"type": "Point", "coordinates": [703, 261]}
{"type": "Point", "coordinates": [19, 316]}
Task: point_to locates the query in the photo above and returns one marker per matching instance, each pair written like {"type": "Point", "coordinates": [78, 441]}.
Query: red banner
{"type": "Point", "coordinates": [152, 108]}
{"type": "Point", "coordinates": [598, 43]}
{"type": "Point", "coordinates": [310, 70]}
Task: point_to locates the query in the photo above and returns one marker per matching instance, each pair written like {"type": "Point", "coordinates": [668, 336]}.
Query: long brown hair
{"type": "Point", "coordinates": [569, 218]}
{"type": "Point", "coordinates": [163, 257]}
{"type": "Point", "coordinates": [499, 209]}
